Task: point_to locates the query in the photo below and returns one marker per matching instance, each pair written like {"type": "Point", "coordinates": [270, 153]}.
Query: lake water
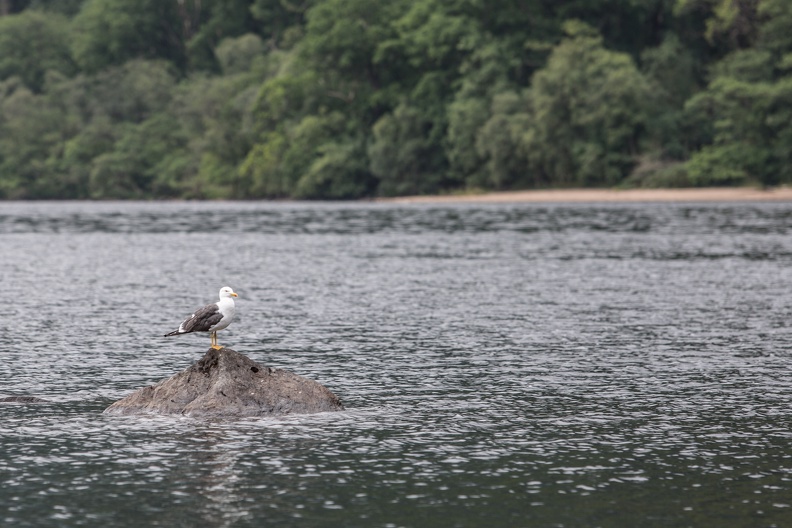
{"type": "Point", "coordinates": [501, 365]}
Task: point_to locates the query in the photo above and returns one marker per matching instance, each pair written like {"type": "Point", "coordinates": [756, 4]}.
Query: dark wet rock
{"type": "Point", "coordinates": [225, 383]}
{"type": "Point", "coordinates": [21, 399]}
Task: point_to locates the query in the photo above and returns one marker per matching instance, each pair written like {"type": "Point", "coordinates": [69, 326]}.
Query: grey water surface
{"type": "Point", "coordinates": [501, 365]}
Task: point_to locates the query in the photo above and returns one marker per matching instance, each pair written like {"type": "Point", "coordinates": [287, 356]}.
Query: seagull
{"type": "Point", "coordinates": [210, 318]}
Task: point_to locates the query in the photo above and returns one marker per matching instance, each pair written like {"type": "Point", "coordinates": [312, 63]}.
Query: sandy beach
{"type": "Point", "coordinates": [709, 194]}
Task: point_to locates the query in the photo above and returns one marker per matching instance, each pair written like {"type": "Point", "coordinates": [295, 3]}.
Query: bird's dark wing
{"type": "Point", "coordinates": [201, 321]}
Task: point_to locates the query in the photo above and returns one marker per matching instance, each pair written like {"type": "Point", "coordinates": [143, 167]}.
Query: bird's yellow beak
{"type": "Point", "coordinates": [234, 295]}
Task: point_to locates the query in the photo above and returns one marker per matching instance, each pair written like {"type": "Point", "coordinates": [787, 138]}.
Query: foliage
{"type": "Point", "coordinates": [589, 111]}
{"type": "Point", "coordinates": [500, 144]}
{"type": "Point", "coordinates": [749, 103]}
{"type": "Point", "coordinates": [110, 32]}
{"type": "Point", "coordinates": [342, 99]}
{"type": "Point", "coordinates": [30, 137]}
{"type": "Point", "coordinates": [401, 154]}
{"type": "Point", "coordinates": [32, 43]}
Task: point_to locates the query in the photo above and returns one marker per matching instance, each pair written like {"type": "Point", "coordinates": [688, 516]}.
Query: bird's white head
{"type": "Point", "coordinates": [225, 291]}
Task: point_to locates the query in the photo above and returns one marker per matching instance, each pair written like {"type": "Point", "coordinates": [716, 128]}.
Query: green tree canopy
{"type": "Point", "coordinates": [111, 32]}
{"type": "Point", "coordinates": [344, 99]}
{"type": "Point", "coordinates": [749, 103]}
{"type": "Point", "coordinates": [589, 110]}
{"type": "Point", "coordinates": [32, 43]}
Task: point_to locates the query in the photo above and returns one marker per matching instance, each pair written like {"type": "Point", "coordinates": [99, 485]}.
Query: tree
{"type": "Point", "coordinates": [133, 92]}
{"type": "Point", "coordinates": [9, 7]}
{"type": "Point", "coordinates": [280, 22]}
{"type": "Point", "coordinates": [208, 22]}
{"type": "Point", "coordinates": [748, 103]}
{"type": "Point", "coordinates": [775, 36]}
{"type": "Point", "coordinates": [136, 161]}
{"type": "Point", "coordinates": [466, 117]}
{"type": "Point", "coordinates": [32, 43]}
{"type": "Point", "coordinates": [32, 130]}
{"type": "Point", "coordinates": [339, 172]}
{"type": "Point", "coordinates": [65, 7]}
{"type": "Point", "coordinates": [111, 32]}
{"type": "Point", "coordinates": [348, 98]}
{"type": "Point", "coordinates": [341, 45]}
{"type": "Point", "coordinates": [500, 144]}
{"type": "Point", "coordinates": [589, 112]}
{"type": "Point", "coordinates": [730, 24]}
{"type": "Point", "coordinates": [672, 71]}
{"type": "Point", "coordinates": [402, 154]}
{"type": "Point", "coordinates": [217, 112]}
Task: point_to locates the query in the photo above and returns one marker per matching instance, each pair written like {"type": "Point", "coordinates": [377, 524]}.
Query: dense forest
{"type": "Point", "coordinates": [342, 99]}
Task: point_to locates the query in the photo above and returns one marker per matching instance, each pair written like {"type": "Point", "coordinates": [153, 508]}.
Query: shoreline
{"type": "Point", "coordinates": [699, 194]}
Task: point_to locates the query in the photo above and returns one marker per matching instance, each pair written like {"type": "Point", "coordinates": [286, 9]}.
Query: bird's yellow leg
{"type": "Point", "coordinates": [214, 341]}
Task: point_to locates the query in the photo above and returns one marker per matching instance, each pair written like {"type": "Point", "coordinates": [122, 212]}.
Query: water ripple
{"type": "Point", "coordinates": [511, 365]}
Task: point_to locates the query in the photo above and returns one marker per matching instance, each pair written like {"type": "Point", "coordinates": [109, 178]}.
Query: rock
{"type": "Point", "coordinates": [225, 383]}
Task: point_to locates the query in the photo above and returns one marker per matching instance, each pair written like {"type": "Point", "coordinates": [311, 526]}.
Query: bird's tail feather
{"type": "Point", "coordinates": [175, 332]}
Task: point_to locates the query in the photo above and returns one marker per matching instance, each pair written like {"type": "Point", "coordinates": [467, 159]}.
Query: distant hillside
{"type": "Point", "coordinates": [342, 99]}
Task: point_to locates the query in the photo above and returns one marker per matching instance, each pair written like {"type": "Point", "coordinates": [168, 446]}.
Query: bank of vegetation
{"type": "Point", "coordinates": [343, 99]}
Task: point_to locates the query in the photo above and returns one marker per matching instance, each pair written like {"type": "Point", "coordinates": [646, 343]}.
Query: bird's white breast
{"type": "Point", "coordinates": [228, 310]}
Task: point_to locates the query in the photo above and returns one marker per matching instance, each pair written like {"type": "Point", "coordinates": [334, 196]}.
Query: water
{"type": "Point", "coordinates": [501, 365]}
